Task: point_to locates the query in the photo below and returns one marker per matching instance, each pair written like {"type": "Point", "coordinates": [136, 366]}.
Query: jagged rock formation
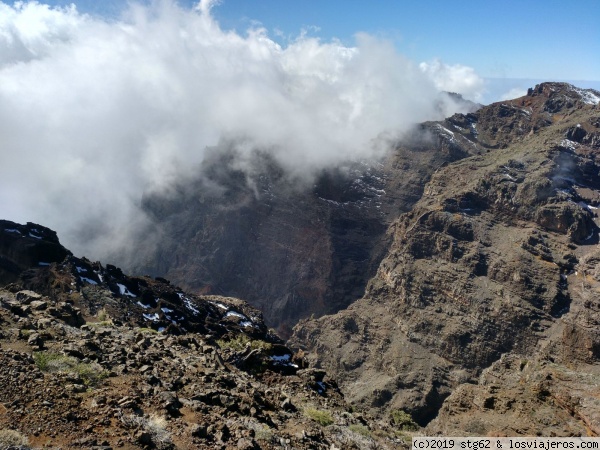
{"type": "Point", "coordinates": [92, 358]}
{"type": "Point", "coordinates": [292, 248]}
{"type": "Point", "coordinates": [490, 269]}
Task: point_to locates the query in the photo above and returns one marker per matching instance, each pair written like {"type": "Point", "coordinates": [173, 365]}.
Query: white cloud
{"type": "Point", "coordinates": [95, 112]}
{"type": "Point", "coordinates": [513, 93]}
{"type": "Point", "coordinates": [454, 78]}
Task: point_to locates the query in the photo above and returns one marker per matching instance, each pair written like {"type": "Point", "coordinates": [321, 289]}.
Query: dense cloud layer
{"type": "Point", "coordinates": [94, 112]}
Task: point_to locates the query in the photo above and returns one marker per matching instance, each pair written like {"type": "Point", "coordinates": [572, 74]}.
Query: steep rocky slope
{"type": "Point", "coordinates": [493, 268]}
{"type": "Point", "coordinates": [291, 247]}
{"type": "Point", "coordinates": [92, 358]}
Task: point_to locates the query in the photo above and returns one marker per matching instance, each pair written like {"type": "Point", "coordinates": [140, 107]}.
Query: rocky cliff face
{"type": "Point", "coordinates": [93, 358]}
{"type": "Point", "coordinates": [290, 247]}
{"type": "Point", "coordinates": [489, 270]}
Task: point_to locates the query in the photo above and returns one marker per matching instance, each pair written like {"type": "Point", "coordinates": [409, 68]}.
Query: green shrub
{"type": "Point", "coordinates": [323, 418]}
{"type": "Point", "coordinates": [91, 374]}
{"type": "Point", "coordinates": [241, 341]}
{"type": "Point", "coordinates": [103, 315]}
{"type": "Point", "coordinates": [145, 330]}
{"type": "Point", "coordinates": [403, 420]}
{"type": "Point", "coordinates": [25, 333]}
{"type": "Point", "coordinates": [360, 429]}
{"type": "Point", "coordinates": [264, 434]}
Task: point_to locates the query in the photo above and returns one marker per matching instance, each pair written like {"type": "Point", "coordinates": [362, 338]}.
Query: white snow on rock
{"type": "Point", "coordinates": [236, 314]}
{"type": "Point", "coordinates": [567, 143]}
{"type": "Point", "coordinates": [283, 360]}
{"type": "Point", "coordinates": [586, 206]}
{"type": "Point", "coordinates": [221, 305]}
{"type": "Point", "coordinates": [188, 304]}
{"type": "Point", "coordinates": [152, 317]}
{"type": "Point", "coordinates": [124, 291]}
{"type": "Point", "coordinates": [588, 96]}
{"type": "Point", "coordinates": [88, 280]}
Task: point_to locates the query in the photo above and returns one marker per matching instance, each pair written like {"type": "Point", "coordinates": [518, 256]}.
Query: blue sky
{"type": "Point", "coordinates": [532, 39]}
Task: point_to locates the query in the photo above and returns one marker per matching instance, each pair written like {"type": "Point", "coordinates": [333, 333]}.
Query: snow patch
{"type": "Point", "coordinates": [221, 305]}
{"type": "Point", "coordinates": [446, 130]}
{"type": "Point", "coordinates": [235, 314]}
{"type": "Point", "coordinates": [588, 96]}
{"type": "Point", "coordinates": [283, 360]}
{"type": "Point", "coordinates": [567, 143]}
{"type": "Point", "coordinates": [152, 317]}
{"type": "Point", "coordinates": [12, 230]}
{"type": "Point", "coordinates": [143, 306]}
{"type": "Point", "coordinates": [188, 304]}
{"type": "Point", "coordinates": [88, 280]}
{"type": "Point", "coordinates": [124, 291]}
{"type": "Point", "coordinates": [586, 206]}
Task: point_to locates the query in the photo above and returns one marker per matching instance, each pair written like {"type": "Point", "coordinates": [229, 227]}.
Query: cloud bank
{"type": "Point", "coordinates": [95, 112]}
{"type": "Point", "coordinates": [454, 78]}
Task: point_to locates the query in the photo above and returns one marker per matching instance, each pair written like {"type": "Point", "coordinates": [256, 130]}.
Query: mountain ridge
{"type": "Point", "coordinates": [453, 283]}
{"type": "Point", "coordinates": [482, 266]}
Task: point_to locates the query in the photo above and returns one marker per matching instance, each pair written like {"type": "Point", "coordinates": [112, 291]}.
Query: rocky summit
{"type": "Point", "coordinates": [482, 318]}
{"type": "Point", "coordinates": [92, 358]}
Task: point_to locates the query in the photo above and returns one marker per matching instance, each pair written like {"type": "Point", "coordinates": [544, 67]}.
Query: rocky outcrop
{"type": "Point", "coordinates": [483, 267]}
{"type": "Point", "coordinates": [24, 246]}
{"type": "Point", "coordinates": [93, 358]}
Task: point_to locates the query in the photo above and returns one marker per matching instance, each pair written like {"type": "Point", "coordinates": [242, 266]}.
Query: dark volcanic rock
{"type": "Point", "coordinates": [25, 246]}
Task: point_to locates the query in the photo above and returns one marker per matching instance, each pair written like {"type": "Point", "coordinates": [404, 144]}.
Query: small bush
{"type": "Point", "coordinates": [103, 315]}
{"type": "Point", "coordinates": [240, 342]}
{"type": "Point", "coordinates": [91, 374]}
{"type": "Point", "coordinates": [403, 420]}
{"type": "Point", "coordinates": [323, 418]}
{"type": "Point", "coordinates": [476, 426]}
{"type": "Point", "coordinates": [360, 429]}
{"type": "Point", "coordinates": [261, 432]}
{"type": "Point", "coordinates": [12, 438]}
{"type": "Point", "coordinates": [264, 435]}
{"type": "Point", "coordinates": [155, 425]}
{"type": "Point", "coordinates": [26, 333]}
{"type": "Point", "coordinates": [146, 330]}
